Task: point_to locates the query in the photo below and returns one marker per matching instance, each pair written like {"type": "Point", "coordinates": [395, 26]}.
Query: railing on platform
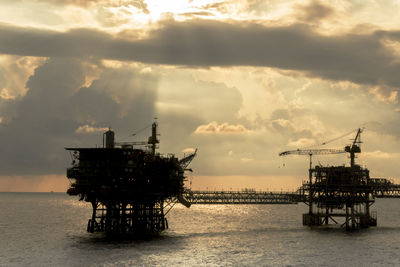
{"type": "Point", "coordinates": [242, 197]}
{"type": "Point", "coordinates": [384, 188]}
{"type": "Point", "coordinates": [387, 192]}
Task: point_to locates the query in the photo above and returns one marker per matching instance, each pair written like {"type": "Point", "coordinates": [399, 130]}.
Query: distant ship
{"type": "Point", "coordinates": [130, 189]}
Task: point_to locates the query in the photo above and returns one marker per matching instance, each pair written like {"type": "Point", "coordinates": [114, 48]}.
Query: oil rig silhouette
{"type": "Point", "coordinates": [339, 191]}
{"type": "Point", "coordinates": [132, 190]}
{"type": "Point", "coordinates": [129, 188]}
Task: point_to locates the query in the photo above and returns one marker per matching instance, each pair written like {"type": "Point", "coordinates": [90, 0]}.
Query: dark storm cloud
{"type": "Point", "coordinates": [46, 119]}
{"type": "Point", "coordinates": [359, 58]}
{"type": "Point", "coordinates": [314, 11]}
{"type": "Point", "coordinates": [36, 42]}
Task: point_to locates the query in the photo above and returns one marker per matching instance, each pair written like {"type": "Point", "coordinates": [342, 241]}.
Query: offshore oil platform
{"type": "Point", "coordinates": [132, 190]}
{"type": "Point", "coordinates": [339, 191]}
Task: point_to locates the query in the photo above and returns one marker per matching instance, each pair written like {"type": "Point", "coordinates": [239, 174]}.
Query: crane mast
{"type": "Point", "coordinates": [354, 147]}
{"type": "Point", "coordinates": [153, 141]}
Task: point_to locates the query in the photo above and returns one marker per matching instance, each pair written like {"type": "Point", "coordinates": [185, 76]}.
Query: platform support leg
{"type": "Point", "coordinates": [92, 221]}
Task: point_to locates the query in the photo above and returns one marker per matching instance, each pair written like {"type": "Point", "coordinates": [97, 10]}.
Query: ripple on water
{"type": "Point", "coordinates": [50, 229]}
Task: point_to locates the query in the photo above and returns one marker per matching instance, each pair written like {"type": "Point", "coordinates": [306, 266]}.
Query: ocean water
{"type": "Point", "coordinates": [49, 229]}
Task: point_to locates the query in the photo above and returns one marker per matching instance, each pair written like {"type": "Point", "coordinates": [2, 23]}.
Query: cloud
{"type": "Point", "coordinates": [90, 129]}
{"type": "Point", "coordinates": [378, 154]}
{"type": "Point", "coordinates": [58, 107]}
{"type": "Point", "coordinates": [5, 94]}
{"type": "Point", "coordinates": [246, 160]}
{"type": "Point", "coordinates": [385, 94]}
{"type": "Point", "coordinates": [189, 150]}
{"type": "Point", "coordinates": [296, 128]}
{"type": "Point", "coordinates": [358, 58]}
{"type": "Point", "coordinates": [183, 94]}
{"type": "Point", "coordinates": [14, 73]}
{"type": "Point", "coordinates": [196, 14]}
{"type": "Point", "coordinates": [302, 142]}
{"type": "Point", "coordinates": [139, 4]}
{"type": "Point", "coordinates": [314, 11]}
{"type": "Point", "coordinates": [224, 128]}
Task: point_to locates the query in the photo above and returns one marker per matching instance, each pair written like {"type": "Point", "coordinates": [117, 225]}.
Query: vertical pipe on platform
{"type": "Point", "coordinates": [367, 211]}
{"type": "Point", "coordinates": [162, 215]}
{"type": "Point", "coordinates": [123, 218]}
{"type": "Point", "coordinates": [327, 217]}
{"type": "Point", "coordinates": [310, 189]}
{"type": "Point", "coordinates": [347, 218]}
{"type": "Point", "coordinates": [151, 215]}
{"type": "Point", "coordinates": [108, 217]}
{"type": "Point", "coordinates": [93, 221]}
{"type": "Point", "coordinates": [353, 219]}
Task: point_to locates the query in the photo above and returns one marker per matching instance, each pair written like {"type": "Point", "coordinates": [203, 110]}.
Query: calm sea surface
{"type": "Point", "coordinates": [49, 229]}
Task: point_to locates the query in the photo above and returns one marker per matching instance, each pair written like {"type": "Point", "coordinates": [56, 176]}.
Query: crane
{"type": "Point", "coordinates": [187, 160]}
{"type": "Point", "coordinates": [152, 141]}
{"type": "Point", "coordinates": [352, 149]}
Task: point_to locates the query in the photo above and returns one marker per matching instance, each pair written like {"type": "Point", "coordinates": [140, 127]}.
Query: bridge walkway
{"type": "Point", "coordinates": [380, 190]}
{"type": "Point", "coordinates": [242, 197]}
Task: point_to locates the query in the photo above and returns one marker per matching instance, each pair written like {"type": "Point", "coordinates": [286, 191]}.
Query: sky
{"type": "Point", "coordinates": [240, 80]}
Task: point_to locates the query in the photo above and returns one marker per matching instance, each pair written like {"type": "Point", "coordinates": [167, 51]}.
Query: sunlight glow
{"type": "Point", "coordinates": [157, 10]}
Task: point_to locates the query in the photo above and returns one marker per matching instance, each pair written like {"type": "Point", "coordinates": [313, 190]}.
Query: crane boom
{"type": "Point", "coordinates": [186, 160]}
{"type": "Point", "coordinates": [352, 149]}
{"type": "Point", "coordinates": [324, 151]}
{"type": "Point", "coordinates": [311, 152]}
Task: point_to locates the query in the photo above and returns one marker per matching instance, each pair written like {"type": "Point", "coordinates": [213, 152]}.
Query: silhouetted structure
{"type": "Point", "coordinates": [339, 191]}
{"type": "Point", "coordinates": [129, 188]}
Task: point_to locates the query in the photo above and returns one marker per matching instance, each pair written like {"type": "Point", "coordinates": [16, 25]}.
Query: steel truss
{"type": "Point", "coordinates": [242, 197]}
{"type": "Point", "coordinates": [127, 218]}
{"type": "Point", "coordinates": [339, 191]}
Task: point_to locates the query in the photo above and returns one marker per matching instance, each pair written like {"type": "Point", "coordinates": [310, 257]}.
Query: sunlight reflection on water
{"type": "Point", "coordinates": [50, 229]}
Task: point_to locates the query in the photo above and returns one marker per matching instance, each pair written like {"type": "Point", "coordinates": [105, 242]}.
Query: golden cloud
{"type": "Point", "coordinates": [224, 128]}
{"type": "Point", "coordinates": [188, 150]}
{"type": "Point", "coordinates": [90, 129]}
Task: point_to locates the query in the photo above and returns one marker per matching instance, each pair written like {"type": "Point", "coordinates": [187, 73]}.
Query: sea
{"type": "Point", "coordinates": [49, 229]}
